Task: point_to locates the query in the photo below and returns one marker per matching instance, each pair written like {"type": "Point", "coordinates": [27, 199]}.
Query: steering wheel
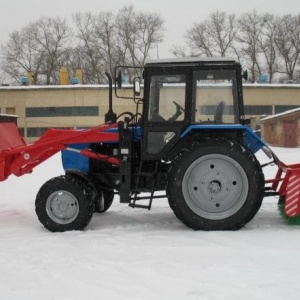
{"type": "Point", "coordinates": [179, 107]}
{"type": "Point", "coordinates": [179, 111]}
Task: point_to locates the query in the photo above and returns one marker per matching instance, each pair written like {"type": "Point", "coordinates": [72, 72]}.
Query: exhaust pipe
{"type": "Point", "coordinates": [110, 116]}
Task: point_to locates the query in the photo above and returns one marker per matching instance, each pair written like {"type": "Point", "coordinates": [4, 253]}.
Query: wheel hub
{"type": "Point", "coordinates": [215, 186]}
{"type": "Point", "coordinates": [62, 207]}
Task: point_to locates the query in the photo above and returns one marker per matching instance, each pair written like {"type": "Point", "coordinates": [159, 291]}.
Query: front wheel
{"type": "Point", "coordinates": [215, 185]}
{"type": "Point", "coordinates": [64, 203]}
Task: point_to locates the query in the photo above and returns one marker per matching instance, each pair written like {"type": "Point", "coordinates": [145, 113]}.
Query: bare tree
{"type": "Point", "coordinates": [212, 37]}
{"type": "Point", "coordinates": [263, 43]}
{"type": "Point", "coordinates": [287, 39]}
{"type": "Point", "coordinates": [138, 34]}
{"type": "Point", "coordinates": [179, 51]}
{"type": "Point", "coordinates": [41, 47]}
{"type": "Point", "coordinates": [199, 41]}
{"type": "Point", "coordinates": [251, 26]}
{"type": "Point", "coordinates": [106, 40]}
{"type": "Point", "coordinates": [267, 45]}
{"type": "Point", "coordinates": [3, 77]}
{"type": "Point", "coordinates": [98, 46]}
{"type": "Point", "coordinates": [84, 54]}
{"type": "Point", "coordinates": [53, 39]}
{"type": "Point", "coordinates": [20, 56]}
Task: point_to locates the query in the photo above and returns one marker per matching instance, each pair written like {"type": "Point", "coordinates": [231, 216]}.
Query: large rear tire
{"type": "Point", "coordinates": [215, 185]}
{"type": "Point", "coordinates": [64, 203]}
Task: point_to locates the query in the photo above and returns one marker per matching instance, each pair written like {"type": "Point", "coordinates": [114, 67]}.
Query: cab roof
{"type": "Point", "coordinates": [191, 60]}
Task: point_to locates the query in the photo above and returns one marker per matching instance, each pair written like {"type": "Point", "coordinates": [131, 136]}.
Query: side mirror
{"type": "Point", "coordinates": [128, 76]}
{"type": "Point", "coordinates": [137, 86]}
{"type": "Point", "coordinates": [245, 75]}
{"type": "Point", "coordinates": [119, 79]}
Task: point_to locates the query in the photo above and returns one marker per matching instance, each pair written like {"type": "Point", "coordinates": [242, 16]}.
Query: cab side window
{"type": "Point", "coordinates": [166, 93]}
{"type": "Point", "coordinates": [215, 96]}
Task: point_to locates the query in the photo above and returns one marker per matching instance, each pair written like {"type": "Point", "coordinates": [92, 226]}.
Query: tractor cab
{"type": "Point", "coordinates": [179, 93]}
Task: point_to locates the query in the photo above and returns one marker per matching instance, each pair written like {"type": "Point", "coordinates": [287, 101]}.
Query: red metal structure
{"type": "Point", "coordinates": [18, 158]}
{"type": "Point", "coordinates": [287, 184]}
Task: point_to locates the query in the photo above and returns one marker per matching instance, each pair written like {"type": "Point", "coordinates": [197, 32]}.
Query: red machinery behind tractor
{"type": "Point", "coordinates": [188, 140]}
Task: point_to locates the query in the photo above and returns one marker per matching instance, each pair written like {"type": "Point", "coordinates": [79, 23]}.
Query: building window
{"type": "Point", "coordinates": [35, 131]}
{"type": "Point", "coordinates": [63, 111]}
{"type": "Point", "coordinates": [22, 131]}
{"type": "Point", "coordinates": [258, 110]}
{"type": "Point", "coordinates": [38, 131]}
{"type": "Point", "coordinates": [10, 110]}
{"type": "Point", "coordinates": [282, 108]}
{"type": "Point", "coordinates": [210, 110]}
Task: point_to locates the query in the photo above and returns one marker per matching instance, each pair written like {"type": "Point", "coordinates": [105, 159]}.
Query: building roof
{"type": "Point", "coordinates": [283, 114]}
{"type": "Point", "coordinates": [8, 115]}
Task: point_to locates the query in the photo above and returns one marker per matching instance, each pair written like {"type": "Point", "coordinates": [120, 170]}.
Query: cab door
{"type": "Point", "coordinates": [165, 112]}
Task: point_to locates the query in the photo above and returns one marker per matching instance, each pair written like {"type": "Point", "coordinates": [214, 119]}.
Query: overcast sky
{"type": "Point", "coordinates": [179, 15]}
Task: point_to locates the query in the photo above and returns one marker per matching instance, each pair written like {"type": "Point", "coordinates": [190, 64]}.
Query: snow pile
{"type": "Point", "coordinates": [136, 254]}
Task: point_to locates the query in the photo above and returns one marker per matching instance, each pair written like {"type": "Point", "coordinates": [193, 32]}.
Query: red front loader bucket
{"type": "Point", "coordinates": [9, 136]}
{"type": "Point", "coordinates": [18, 158]}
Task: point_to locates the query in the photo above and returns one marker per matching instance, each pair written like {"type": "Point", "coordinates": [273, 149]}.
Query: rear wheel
{"type": "Point", "coordinates": [64, 203]}
{"type": "Point", "coordinates": [215, 185]}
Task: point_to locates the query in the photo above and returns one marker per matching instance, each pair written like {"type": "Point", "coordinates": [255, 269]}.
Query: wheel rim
{"type": "Point", "coordinates": [62, 207]}
{"type": "Point", "coordinates": [215, 186]}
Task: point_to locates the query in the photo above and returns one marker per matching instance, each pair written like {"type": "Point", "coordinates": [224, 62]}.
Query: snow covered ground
{"type": "Point", "coordinates": [136, 254]}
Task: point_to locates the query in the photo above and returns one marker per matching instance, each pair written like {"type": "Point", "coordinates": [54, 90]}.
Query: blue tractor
{"type": "Point", "coordinates": [187, 141]}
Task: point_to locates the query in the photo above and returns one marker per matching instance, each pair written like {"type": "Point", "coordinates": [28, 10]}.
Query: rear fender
{"type": "Point", "coordinates": [250, 139]}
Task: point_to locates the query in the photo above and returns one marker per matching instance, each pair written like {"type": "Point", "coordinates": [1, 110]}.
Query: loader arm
{"type": "Point", "coordinates": [19, 158]}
